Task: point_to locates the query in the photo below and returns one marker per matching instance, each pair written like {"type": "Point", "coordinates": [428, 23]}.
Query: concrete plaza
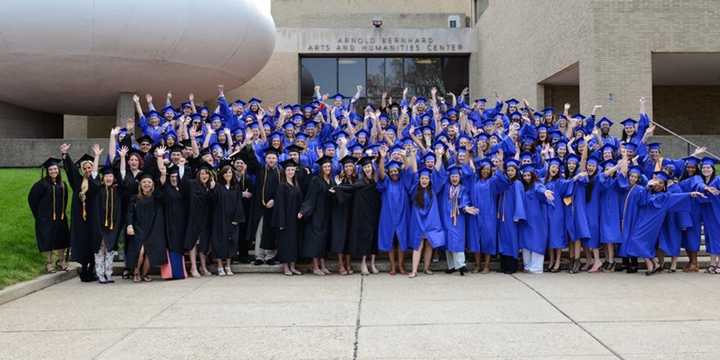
{"type": "Point", "coordinates": [263, 316]}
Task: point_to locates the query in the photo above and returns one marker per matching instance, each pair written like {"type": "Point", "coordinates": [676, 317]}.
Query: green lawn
{"type": "Point", "coordinates": [19, 256]}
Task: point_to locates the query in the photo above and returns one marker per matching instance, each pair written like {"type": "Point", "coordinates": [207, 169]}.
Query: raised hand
{"type": "Point", "coordinates": [696, 194]}
{"type": "Point", "coordinates": [97, 150]}
{"type": "Point", "coordinates": [123, 151]}
{"type": "Point", "coordinates": [148, 98]}
{"type": "Point", "coordinates": [549, 195]}
{"type": "Point", "coordinates": [64, 148]}
{"type": "Point", "coordinates": [160, 151]}
{"type": "Point", "coordinates": [136, 98]}
{"type": "Point", "coordinates": [114, 131]}
{"type": "Point", "coordinates": [169, 95]}
{"type": "Point", "coordinates": [191, 97]}
{"type": "Point", "coordinates": [433, 91]}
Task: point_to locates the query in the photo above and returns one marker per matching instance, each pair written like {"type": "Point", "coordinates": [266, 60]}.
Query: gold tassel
{"type": "Point", "coordinates": [62, 202]}
{"type": "Point", "coordinates": [112, 207]}
{"type": "Point", "coordinates": [107, 198]}
{"type": "Point", "coordinates": [53, 202]}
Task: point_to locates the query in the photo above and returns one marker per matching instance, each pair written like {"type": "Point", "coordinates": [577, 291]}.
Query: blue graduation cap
{"type": "Point", "coordinates": [631, 146]}
{"type": "Point", "coordinates": [572, 157]}
{"type": "Point", "coordinates": [308, 108]}
{"type": "Point", "coordinates": [215, 117]}
{"type": "Point", "coordinates": [481, 137]}
{"type": "Point", "coordinates": [538, 114]}
{"type": "Point", "coordinates": [288, 126]}
{"type": "Point", "coordinates": [439, 143]}
{"type": "Point", "coordinates": [635, 169]}
{"type": "Point", "coordinates": [660, 175]}
{"type": "Point", "coordinates": [420, 99]}
{"type": "Point", "coordinates": [629, 122]}
{"type": "Point", "coordinates": [355, 147]}
{"type": "Point", "coordinates": [608, 148]}
{"type": "Point", "coordinates": [276, 136]}
{"type": "Point", "coordinates": [481, 100]}
{"type": "Point", "coordinates": [362, 133]}
{"type": "Point", "coordinates": [604, 121]}
{"type": "Point", "coordinates": [383, 116]}
{"type": "Point", "coordinates": [341, 133]}
{"type": "Point", "coordinates": [561, 143]}
{"type": "Point", "coordinates": [203, 108]}
{"type": "Point", "coordinates": [255, 100]}
{"type": "Point", "coordinates": [542, 128]}
{"type": "Point", "coordinates": [301, 136]}
{"type": "Point", "coordinates": [429, 157]}
{"type": "Point", "coordinates": [425, 172]}
{"type": "Point", "coordinates": [512, 162]}
{"type": "Point", "coordinates": [168, 109]}
{"type": "Point", "coordinates": [454, 170]}
{"type": "Point", "coordinates": [451, 112]}
{"type": "Point", "coordinates": [512, 102]}
{"type": "Point", "coordinates": [484, 162]}
{"type": "Point", "coordinates": [608, 163]}
{"type": "Point", "coordinates": [554, 161]}
{"type": "Point", "coordinates": [310, 124]}
{"type": "Point", "coordinates": [393, 165]}
{"type": "Point", "coordinates": [668, 163]}
{"type": "Point", "coordinates": [215, 146]}
{"type": "Point", "coordinates": [526, 156]}
{"type": "Point", "coordinates": [339, 96]}
{"type": "Point", "coordinates": [593, 160]}
{"type": "Point", "coordinates": [654, 146]}
{"type": "Point", "coordinates": [515, 114]}
{"type": "Point", "coordinates": [578, 116]}
{"type": "Point", "coordinates": [296, 107]}
{"type": "Point", "coordinates": [444, 120]}
{"type": "Point", "coordinates": [253, 125]}
{"type": "Point", "coordinates": [154, 113]}
{"type": "Point", "coordinates": [238, 131]}
{"type": "Point", "coordinates": [329, 145]}
{"type": "Point", "coordinates": [548, 110]}
{"type": "Point", "coordinates": [708, 161]}
{"type": "Point", "coordinates": [239, 102]}
{"type": "Point", "coordinates": [528, 168]}
{"type": "Point", "coordinates": [396, 148]}
{"type": "Point", "coordinates": [691, 160]}
{"type": "Point", "coordinates": [185, 105]}
{"type": "Point", "coordinates": [296, 117]}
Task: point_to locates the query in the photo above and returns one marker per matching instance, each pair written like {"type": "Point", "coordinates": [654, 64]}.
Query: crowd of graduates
{"type": "Point", "coordinates": [330, 179]}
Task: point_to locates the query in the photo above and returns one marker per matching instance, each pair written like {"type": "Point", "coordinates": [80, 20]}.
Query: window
{"type": "Point", "coordinates": [383, 74]}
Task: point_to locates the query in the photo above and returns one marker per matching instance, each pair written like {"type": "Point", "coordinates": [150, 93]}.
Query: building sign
{"type": "Point", "coordinates": [338, 41]}
{"type": "Point", "coordinates": [393, 44]}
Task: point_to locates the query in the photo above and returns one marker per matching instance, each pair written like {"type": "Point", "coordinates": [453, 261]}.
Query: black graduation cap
{"type": "Point", "coordinates": [205, 166]}
{"type": "Point", "coordinates": [51, 162]}
{"type": "Point", "coordinates": [348, 159]}
{"type": "Point", "coordinates": [83, 159]}
{"type": "Point", "coordinates": [186, 143]}
{"type": "Point", "coordinates": [289, 163]}
{"type": "Point", "coordinates": [144, 138]}
{"type": "Point", "coordinates": [144, 175]}
{"type": "Point", "coordinates": [271, 150]}
{"type": "Point", "coordinates": [177, 148]}
{"type": "Point", "coordinates": [365, 160]}
{"type": "Point", "coordinates": [173, 170]}
{"type": "Point", "coordinates": [294, 148]}
{"type": "Point", "coordinates": [106, 170]}
{"type": "Point", "coordinates": [323, 160]}
{"type": "Point", "coordinates": [204, 151]}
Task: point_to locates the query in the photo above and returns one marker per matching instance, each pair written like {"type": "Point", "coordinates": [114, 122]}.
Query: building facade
{"type": "Point", "coordinates": [550, 52]}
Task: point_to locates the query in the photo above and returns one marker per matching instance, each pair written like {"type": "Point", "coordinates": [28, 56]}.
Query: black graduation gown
{"type": "Point", "coordinates": [175, 217]}
{"type": "Point", "coordinates": [129, 189]}
{"type": "Point", "coordinates": [245, 183]}
{"type": "Point", "coordinates": [227, 206]}
{"type": "Point", "coordinates": [316, 214]}
{"type": "Point", "coordinates": [198, 215]}
{"type": "Point", "coordinates": [340, 219]}
{"type": "Point", "coordinates": [147, 218]}
{"type": "Point", "coordinates": [303, 175]}
{"type": "Point", "coordinates": [266, 184]}
{"type": "Point", "coordinates": [288, 201]}
{"type": "Point", "coordinates": [365, 219]}
{"type": "Point", "coordinates": [107, 215]}
{"type": "Point", "coordinates": [81, 228]}
{"type": "Point", "coordinates": [47, 202]}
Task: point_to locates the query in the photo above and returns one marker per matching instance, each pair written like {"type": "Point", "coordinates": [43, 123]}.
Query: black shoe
{"type": "Point", "coordinates": [631, 270]}
{"type": "Point", "coordinates": [258, 262]}
{"type": "Point", "coordinates": [245, 260]}
{"type": "Point", "coordinates": [463, 270]}
{"type": "Point", "coordinates": [450, 271]}
{"type": "Point", "coordinates": [272, 262]}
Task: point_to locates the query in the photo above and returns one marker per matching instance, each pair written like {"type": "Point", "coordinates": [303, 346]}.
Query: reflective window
{"type": "Point", "coordinates": [383, 74]}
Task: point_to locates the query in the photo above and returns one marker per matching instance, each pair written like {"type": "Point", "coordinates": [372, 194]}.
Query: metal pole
{"type": "Point", "coordinates": [683, 138]}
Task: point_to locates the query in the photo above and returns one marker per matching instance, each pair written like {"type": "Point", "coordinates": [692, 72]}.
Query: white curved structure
{"type": "Point", "coordinates": [75, 56]}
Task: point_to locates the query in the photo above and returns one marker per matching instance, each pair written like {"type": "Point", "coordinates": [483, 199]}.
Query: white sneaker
{"type": "Point", "coordinates": [228, 271]}
{"type": "Point", "coordinates": [221, 272]}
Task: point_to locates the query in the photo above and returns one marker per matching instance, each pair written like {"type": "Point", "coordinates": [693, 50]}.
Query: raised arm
{"type": "Point", "coordinates": [112, 144]}
{"type": "Point", "coordinates": [97, 151]}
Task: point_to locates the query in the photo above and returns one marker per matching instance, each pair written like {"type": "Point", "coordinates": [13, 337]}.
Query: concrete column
{"type": "Point", "coordinates": [75, 126]}
{"type": "Point", "coordinates": [125, 109]}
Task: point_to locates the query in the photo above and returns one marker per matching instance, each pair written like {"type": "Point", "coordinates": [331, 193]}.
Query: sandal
{"type": "Point", "coordinates": [428, 272]}
{"type": "Point", "coordinates": [710, 269]}
{"type": "Point", "coordinates": [318, 272]}
{"type": "Point", "coordinates": [147, 278]}
{"type": "Point", "coordinates": [288, 273]}
{"type": "Point", "coordinates": [62, 266]}
{"type": "Point", "coordinates": [412, 275]}
{"type": "Point", "coordinates": [50, 268]}
{"type": "Point", "coordinates": [296, 272]}
{"type": "Point", "coordinates": [136, 278]}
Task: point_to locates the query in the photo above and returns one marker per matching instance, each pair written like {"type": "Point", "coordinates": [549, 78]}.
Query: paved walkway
{"type": "Point", "coordinates": [259, 316]}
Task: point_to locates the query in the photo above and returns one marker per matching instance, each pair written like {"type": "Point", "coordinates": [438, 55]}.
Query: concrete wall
{"type": "Point", "coordinates": [688, 109]}
{"type": "Point", "coordinates": [33, 152]}
{"type": "Point", "coordinates": [520, 46]}
{"type": "Point", "coordinates": [558, 96]}
{"type": "Point", "coordinates": [358, 13]}
{"type": "Point", "coordinates": [18, 122]}
{"type": "Point", "coordinates": [676, 148]}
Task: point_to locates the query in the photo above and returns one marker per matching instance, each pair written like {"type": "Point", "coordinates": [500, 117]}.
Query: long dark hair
{"type": "Point", "coordinates": [221, 176]}
{"type": "Point", "coordinates": [533, 179]}
{"type": "Point", "coordinates": [420, 194]}
{"type": "Point", "coordinates": [712, 176]}
{"type": "Point", "coordinates": [46, 177]}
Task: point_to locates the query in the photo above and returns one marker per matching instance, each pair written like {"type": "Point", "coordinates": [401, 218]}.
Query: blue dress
{"type": "Point", "coordinates": [511, 210]}
{"type": "Point", "coordinates": [394, 212]}
{"type": "Point", "coordinates": [557, 238]}
{"type": "Point", "coordinates": [671, 232]}
{"type": "Point", "coordinates": [483, 228]}
{"type": "Point", "coordinates": [576, 222]}
{"type": "Point", "coordinates": [454, 228]}
{"type": "Point", "coordinates": [592, 211]}
{"type": "Point", "coordinates": [534, 228]}
{"type": "Point", "coordinates": [425, 222]}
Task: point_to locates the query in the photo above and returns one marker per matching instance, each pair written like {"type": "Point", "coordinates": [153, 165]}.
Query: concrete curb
{"type": "Point", "coordinates": [16, 291]}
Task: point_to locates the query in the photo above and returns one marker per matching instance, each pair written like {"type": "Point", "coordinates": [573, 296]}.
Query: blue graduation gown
{"type": "Point", "coordinates": [511, 210]}
{"type": "Point", "coordinates": [557, 238]}
{"type": "Point", "coordinates": [671, 232]}
{"type": "Point", "coordinates": [425, 222]}
{"type": "Point", "coordinates": [610, 209]}
{"type": "Point", "coordinates": [576, 220]}
{"type": "Point", "coordinates": [455, 230]}
{"type": "Point", "coordinates": [691, 235]}
{"type": "Point", "coordinates": [643, 230]}
{"type": "Point", "coordinates": [592, 211]}
{"type": "Point", "coordinates": [710, 217]}
{"type": "Point", "coordinates": [394, 211]}
{"type": "Point", "coordinates": [533, 229]}
{"type": "Point", "coordinates": [483, 228]}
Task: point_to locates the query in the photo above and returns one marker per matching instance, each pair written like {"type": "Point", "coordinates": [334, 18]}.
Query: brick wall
{"type": "Point", "coordinates": [688, 109]}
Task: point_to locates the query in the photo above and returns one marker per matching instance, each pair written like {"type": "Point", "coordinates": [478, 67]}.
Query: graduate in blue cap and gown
{"type": "Point", "coordinates": [675, 221]}
{"type": "Point", "coordinates": [592, 197]}
{"type": "Point", "coordinates": [454, 206]}
{"type": "Point", "coordinates": [511, 210]}
{"type": "Point", "coordinates": [710, 211]}
{"type": "Point", "coordinates": [482, 234]}
{"type": "Point", "coordinates": [533, 230]}
{"type": "Point", "coordinates": [557, 238]}
{"type": "Point", "coordinates": [610, 211]}
{"type": "Point", "coordinates": [632, 181]}
{"type": "Point", "coordinates": [691, 236]}
{"type": "Point", "coordinates": [393, 229]}
{"type": "Point", "coordinates": [643, 230]}
{"type": "Point", "coordinates": [575, 201]}
{"type": "Point", "coordinates": [426, 230]}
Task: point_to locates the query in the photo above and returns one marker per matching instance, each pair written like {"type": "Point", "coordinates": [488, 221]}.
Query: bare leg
{"type": "Point", "coordinates": [486, 265]}
{"type": "Point", "coordinates": [363, 266]}
{"type": "Point", "coordinates": [596, 260]}
{"type": "Point", "coordinates": [348, 264]}
{"type": "Point", "coordinates": [427, 257]}
{"type": "Point", "coordinates": [341, 266]}
{"type": "Point", "coordinates": [401, 261]}
{"type": "Point", "coordinates": [373, 269]}
{"type": "Point", "coordinates": [203, 265]}
{"type": "Point", "coordinates": [323, 268]}
{"type": "Point", "coordinates": [478, 255]}
{"type": "Point", "coordinates": [316, 267]}
{"type": "Point", "coordinates": [193, 262]}
{"type": "Point", "coordinates": [415, 261]}
{"type": "Point", "coordinates": [391, 257]}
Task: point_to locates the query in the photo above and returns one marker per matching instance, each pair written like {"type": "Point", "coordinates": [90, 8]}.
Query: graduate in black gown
{"type": "Point", "coordinates": [341, 215]}
{"type": "Point", "coordinates": [286, 222]}
{"type": "Point", "coordinates": [131, 163]}
{"type": "Point", "coordinates": [227, 215]}
{"type": "Point", "coordinates": [82, 232]}
{"type": "Point", "coordinates": [267, 181]}
{"type": "Point", "coordinates": [315, 211]}
{"type": "Point", "coordinates": [245, 183]}
{"type": "Point", "coordinates": [197, 231]}
{"type": "Point", "coordinates": [107, 221]}
{"type": "Point", "coordinates": [175, 213]}
{"type": "Point", "coordinates": [146, 223]}
{"type": "Point", "coordinates": [365, 216]}
{"type": "Point", "coordinates": [302, 173]}
{"type": "Point", "coordinates": [48, 199]}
